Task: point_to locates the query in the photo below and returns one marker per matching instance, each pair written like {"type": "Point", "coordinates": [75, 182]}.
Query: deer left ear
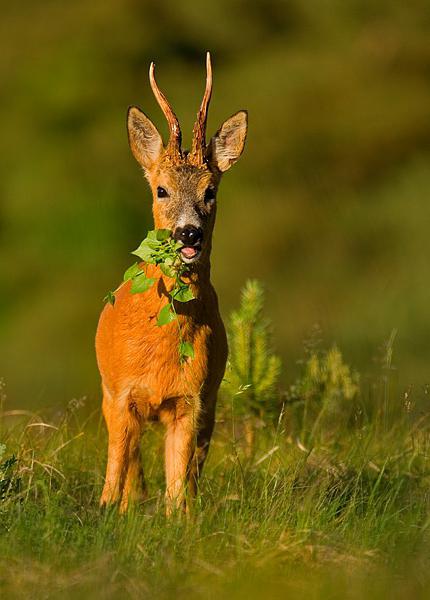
{"type": "Point", "coordinates": [227, 144]}
{"type": "Point", "coordinates": [145, 141]}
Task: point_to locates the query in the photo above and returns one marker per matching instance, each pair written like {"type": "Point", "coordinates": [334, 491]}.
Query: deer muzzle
{"type": "Point", "coordinates": [191, 238]}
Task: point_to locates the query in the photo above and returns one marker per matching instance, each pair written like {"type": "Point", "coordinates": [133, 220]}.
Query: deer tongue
{"type": "Point", "coordinates": [188, 251]}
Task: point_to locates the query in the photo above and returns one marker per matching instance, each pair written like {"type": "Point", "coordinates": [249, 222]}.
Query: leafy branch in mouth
{"type": "Point", "coordinates": [159, 248]}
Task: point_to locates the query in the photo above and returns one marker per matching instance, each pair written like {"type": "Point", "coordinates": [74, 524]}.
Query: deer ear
{"type": "Point", "coordinates": [145, 141]}
{"type": "Point", "coordinates": [227, 144]}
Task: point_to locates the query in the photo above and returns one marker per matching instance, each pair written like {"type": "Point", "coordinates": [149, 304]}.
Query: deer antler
{"type": "Point", "coordinates": [199, 130]}
{"type": "Point", "coordinates": [174, 144]}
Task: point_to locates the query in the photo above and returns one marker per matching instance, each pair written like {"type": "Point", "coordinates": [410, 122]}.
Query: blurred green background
{"type": "Point", "coordinates": [329, 205]}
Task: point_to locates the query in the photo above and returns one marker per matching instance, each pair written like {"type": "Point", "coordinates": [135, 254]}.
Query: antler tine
{"type": "Point", "coordinates": [199, 131]}
{"type": "Point", "coordinates": [174, 144]}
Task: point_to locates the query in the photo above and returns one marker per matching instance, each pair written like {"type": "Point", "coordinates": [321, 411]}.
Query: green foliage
{"type": "Point", "coordinates": [109, 298]}
{"type": "Point", "coordinates": [253, 370]}
{"type": "Point", "coordinates": [159, 248]}
{"type": "Point", "coordinates": [182, 292]}
{"type": "Point", "coordinates": [186, 350]}
{"type": "Point", "coordinates": [323, 396]}
{"type": "Point", "coordinates": [166, 315]}
{"type": "Point", "coordinates": [141, 283]}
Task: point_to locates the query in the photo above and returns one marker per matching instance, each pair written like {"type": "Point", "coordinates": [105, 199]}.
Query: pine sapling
{"type": "Point", "coordinates": [253, 370]}
{"type": "Point", "coordinates": [322, 398]}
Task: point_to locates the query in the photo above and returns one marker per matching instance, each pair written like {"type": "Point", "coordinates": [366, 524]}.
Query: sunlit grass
{"type": "Point", "coordinates": [344, 518]}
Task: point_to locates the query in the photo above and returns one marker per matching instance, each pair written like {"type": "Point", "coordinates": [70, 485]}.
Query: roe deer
{"type": "Point", "coordinates": [142, 375]}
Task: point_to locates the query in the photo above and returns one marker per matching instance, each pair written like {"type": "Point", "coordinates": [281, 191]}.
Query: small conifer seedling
{"type": "Point", "coordinates": [253, 369]}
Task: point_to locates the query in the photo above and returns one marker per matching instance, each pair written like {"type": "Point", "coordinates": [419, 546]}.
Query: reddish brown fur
{"type": "Point", "coordinates": [142, 378]}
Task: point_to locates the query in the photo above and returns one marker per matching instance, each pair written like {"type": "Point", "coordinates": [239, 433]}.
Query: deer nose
{"type": "Point", "coordinates": [189, 235]}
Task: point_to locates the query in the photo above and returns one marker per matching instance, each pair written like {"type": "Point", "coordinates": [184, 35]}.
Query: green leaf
{"type": "Point", "coordinates": [144, 252]}
{"type": "Point", "coordinates": [162, 234]}
{"type": "Point", "coordinates": [166, 315]}
{"type": "Point", "coordinates": [182, 294]}
{"type": "Point", "coordinates": [141, 283]}
{"type": "Point", "coordinates": [132, 272]}
{"type": "Point", "coordinates": [155, 245]}
{"type": "Point", "coordinates": [159, 235]}
{"type": "Point", "coordinates": [166, 270]}
{"type": "Point", "coordinates": [151, 235]}
{"type": "Point", "coordinates": [186, 350]}
{"type": "Point", "coordinates": [110, 297]}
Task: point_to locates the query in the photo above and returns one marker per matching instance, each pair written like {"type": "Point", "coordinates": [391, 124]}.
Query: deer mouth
{"type": "Point", "coordinates": [190, 254]}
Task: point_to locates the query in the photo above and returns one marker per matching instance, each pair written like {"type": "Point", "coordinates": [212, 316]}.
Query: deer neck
{"type": "Point", "coordinates": [198, 275]}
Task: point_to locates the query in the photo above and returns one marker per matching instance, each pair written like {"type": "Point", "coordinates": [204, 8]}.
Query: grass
{"type": "Point", "coordinates": [345, 516]}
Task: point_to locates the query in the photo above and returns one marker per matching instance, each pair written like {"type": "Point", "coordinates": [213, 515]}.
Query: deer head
{"type": "Point", "coordinates": [184, 184]}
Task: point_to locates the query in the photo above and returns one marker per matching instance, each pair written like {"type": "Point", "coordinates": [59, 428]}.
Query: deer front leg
{"type": "Point", "coordinates": [179, 448]}
{"type": "Point", "coordinates": [117, 449]}
{"type": "Point", "coordinates": [123, 469]}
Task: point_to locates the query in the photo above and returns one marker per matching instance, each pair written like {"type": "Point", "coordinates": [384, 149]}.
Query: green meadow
{"type": "Point", "coordinates": [344, 519]}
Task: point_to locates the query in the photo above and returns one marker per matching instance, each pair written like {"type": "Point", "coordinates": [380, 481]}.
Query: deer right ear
{"type": "Point", "coordinates": [227, 144]}
{"type": "Point", "coordinates": [145, 141]}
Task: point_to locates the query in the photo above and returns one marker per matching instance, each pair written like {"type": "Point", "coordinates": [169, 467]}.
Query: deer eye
{"type": "Point", "coordinates": [209, 195]}
{"type": "Point", "coordinates": [161, 192]}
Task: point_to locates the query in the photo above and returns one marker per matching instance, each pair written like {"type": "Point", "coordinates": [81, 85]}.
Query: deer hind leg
{"type": "Point", "coordinates": [123, 472]}
{"type": "Point", "coordinates": [181, 421]}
